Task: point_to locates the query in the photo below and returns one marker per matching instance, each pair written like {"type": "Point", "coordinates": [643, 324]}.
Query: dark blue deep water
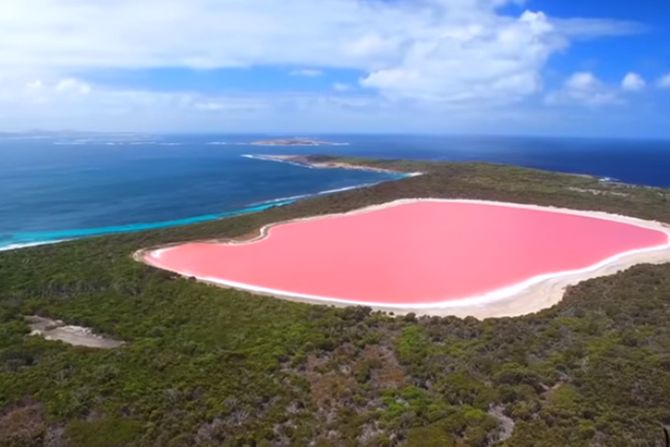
{"type": "Point", "coordinates": [62, 187]}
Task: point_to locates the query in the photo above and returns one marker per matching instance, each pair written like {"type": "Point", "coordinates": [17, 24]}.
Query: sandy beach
{"type": "Point", "coordinates": [528, 296]}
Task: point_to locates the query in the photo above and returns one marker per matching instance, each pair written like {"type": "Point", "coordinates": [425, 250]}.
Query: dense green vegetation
{"type": "Point", "coordinates": [208, 366]}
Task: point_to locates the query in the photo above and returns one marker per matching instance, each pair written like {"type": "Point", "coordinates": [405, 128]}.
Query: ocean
{"type": "Point", "coordinates": [58, 186]}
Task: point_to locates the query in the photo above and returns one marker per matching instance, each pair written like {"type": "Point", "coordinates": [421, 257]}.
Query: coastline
{"type": "Point", "coordinates": [31, 239]}
{"type": "Point", "coordinates": [529, 296]}
{"type": "Point", "coordinates": [59, 236]}
{"type": "Point", "coordinates": [20, 246]}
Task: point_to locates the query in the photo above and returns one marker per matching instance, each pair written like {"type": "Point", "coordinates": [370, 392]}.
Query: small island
{"type": "Point", "coordinates": [297, 141]}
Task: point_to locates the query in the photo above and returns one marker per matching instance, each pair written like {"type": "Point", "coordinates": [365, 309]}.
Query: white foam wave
{"type": "Point", "coordinates": [72, 142]}
{"type": "Point", "coordinates": [84, 141]}
{"type": "Point", "coordinates": [346, 188]}
{"type": "Point", "coordinates": [320, 193]}
{"type": "Point", "coordinates": [283, 199]}
{"type": "Point", "coordinates": [29, 244]}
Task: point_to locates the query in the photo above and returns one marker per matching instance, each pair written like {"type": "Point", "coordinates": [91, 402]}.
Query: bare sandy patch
{"type": "Point", "coordinates": [72, 335]}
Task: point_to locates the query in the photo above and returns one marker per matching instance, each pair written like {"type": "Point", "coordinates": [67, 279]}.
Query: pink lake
{"type": "Point", "coordinates": [421, 252]}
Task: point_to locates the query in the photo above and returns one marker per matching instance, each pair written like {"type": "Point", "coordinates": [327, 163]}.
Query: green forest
{"type": "Point", "coordinates": [207, 366]}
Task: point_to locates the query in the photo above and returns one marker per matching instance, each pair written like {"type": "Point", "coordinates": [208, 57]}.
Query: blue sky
{"type": "Point", "coordinates": [537, 67]}
{"type": "Point", "coordinates": [646, 52]}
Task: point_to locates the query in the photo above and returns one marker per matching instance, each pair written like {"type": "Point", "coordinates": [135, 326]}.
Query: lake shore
{"type": "Point", "coordinates": [529, 296]}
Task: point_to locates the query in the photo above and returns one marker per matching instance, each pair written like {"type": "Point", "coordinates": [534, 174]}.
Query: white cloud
{"type": "Point", "coordinates": [434, 52]}
{"type": "Point", "coordinates": [431, 48]}
{"type": "Point", "coordinates": [580, 28]}
{"type": "Point", "coordinates": [633, 82]}
{"type": "Point", "coordinates": [307, 72]}
{"type": "Point", "coordinates": [223, 104]}
{"type": "Point", "coordinates": [37, 84]}
{"type": "Point", "coordinates": [583, 88]}
{"type": "Point", "coordinates": [55, 104]}
{"type": "Point", "coordinates": [342, 87]}
{"type": "Point", "coordinates": [582, 81]}
{"type": "Point", "coordinates": [72, 85]}
{"type": "Point", "coordinates": [664, 82]}
{"type": "Point", "coordinates": [492, 58]}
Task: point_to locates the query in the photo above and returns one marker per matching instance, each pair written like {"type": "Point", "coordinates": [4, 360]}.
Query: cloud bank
{"type": "Point", "coordinates": [440, 53]}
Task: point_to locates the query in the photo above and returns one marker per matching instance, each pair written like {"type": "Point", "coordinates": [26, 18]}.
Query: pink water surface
{"type": "Point", "coordinates": [412, 253]}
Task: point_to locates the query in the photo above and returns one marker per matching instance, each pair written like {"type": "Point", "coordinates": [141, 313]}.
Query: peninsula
{"type": "Point", "coordinates": [330, 162]}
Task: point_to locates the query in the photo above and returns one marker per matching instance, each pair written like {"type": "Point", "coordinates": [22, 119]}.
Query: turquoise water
{"type": "Point", "coordinates": [60, 188]}
{"type": "Point", "coordinates": [21, 239]}
{"type": "Point", "coordinates": [55, 187]}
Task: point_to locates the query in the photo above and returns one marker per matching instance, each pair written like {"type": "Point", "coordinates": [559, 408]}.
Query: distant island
{"type": "Point", "coordinates": [297, 141]}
